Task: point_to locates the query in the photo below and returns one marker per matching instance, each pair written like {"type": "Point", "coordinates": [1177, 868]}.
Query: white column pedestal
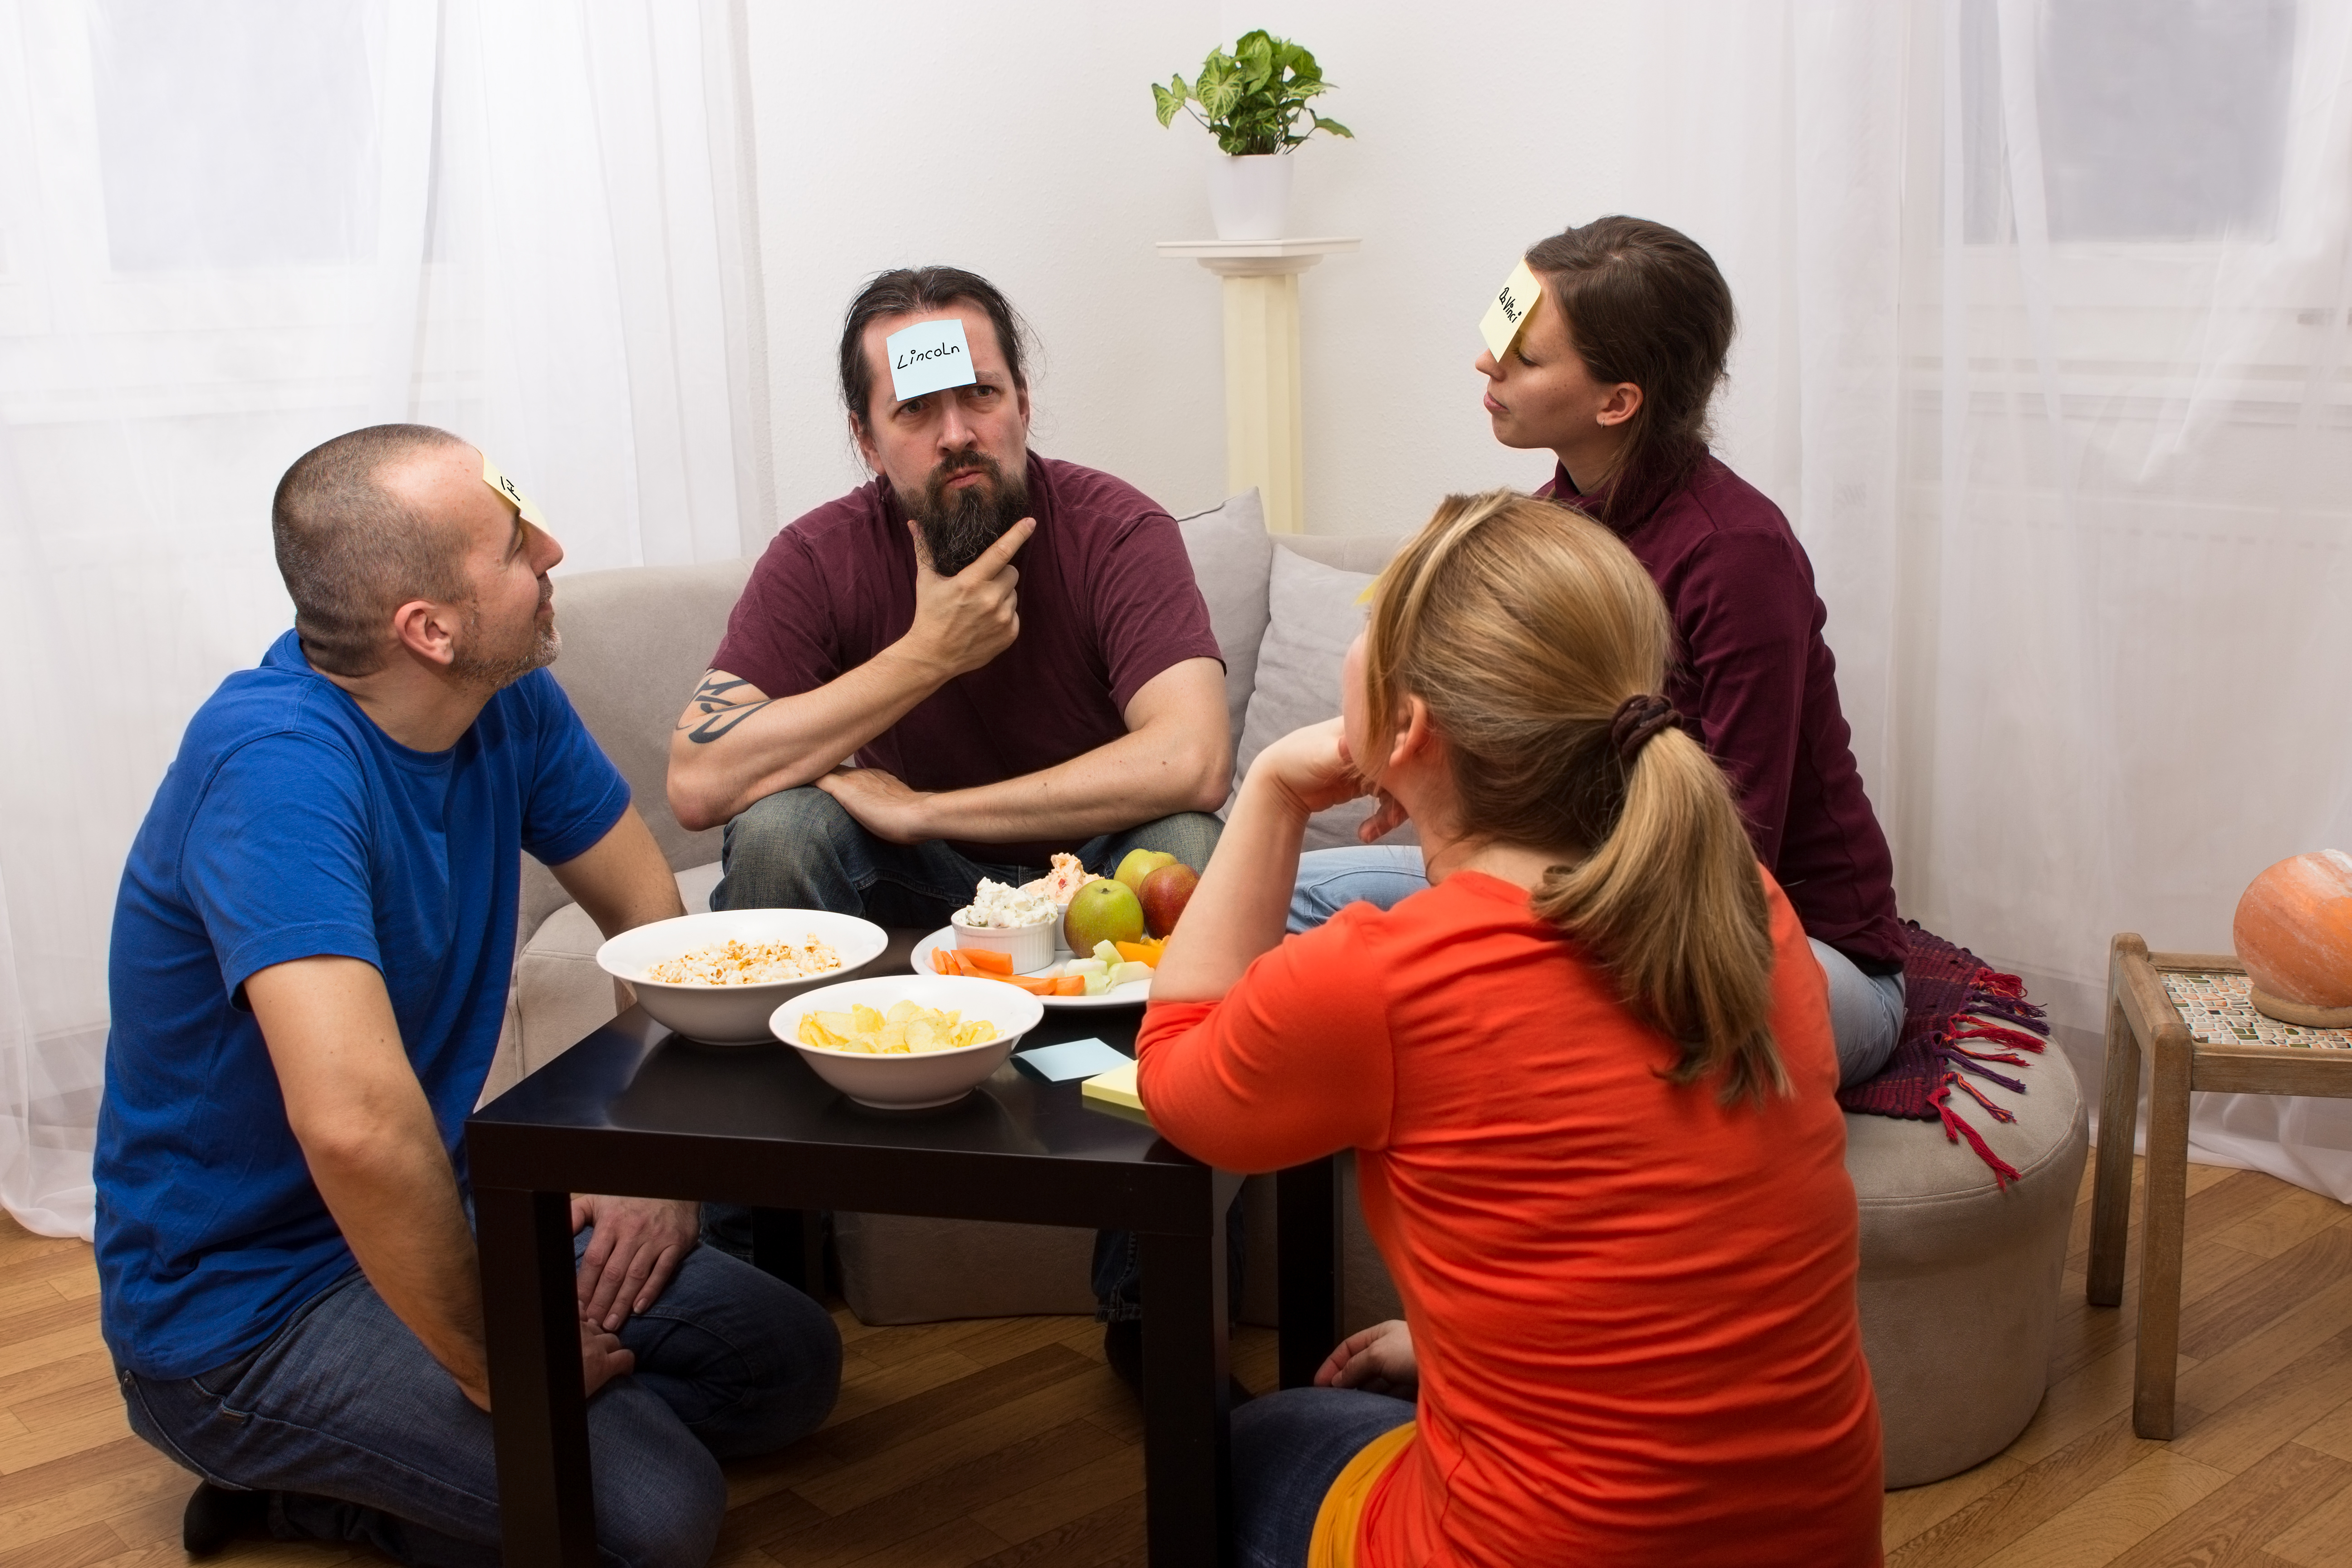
{"type": "Point", "coordinates": [1264, 419]}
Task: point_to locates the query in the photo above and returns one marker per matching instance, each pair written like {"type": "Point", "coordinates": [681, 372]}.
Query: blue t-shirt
{"type": "Point", "coordinates": [290, 827]}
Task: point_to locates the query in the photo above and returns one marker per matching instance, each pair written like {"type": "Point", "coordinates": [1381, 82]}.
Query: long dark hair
{"type": "Point", "coordinates": [1643, 303]}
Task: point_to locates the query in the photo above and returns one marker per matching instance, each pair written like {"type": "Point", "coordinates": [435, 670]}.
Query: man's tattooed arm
{"type": "Point", "coordinates": [710, 712]}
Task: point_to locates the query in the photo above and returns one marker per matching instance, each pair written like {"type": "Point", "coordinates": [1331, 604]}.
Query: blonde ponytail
{"type": "Point", "coordinates": [1525, 629]}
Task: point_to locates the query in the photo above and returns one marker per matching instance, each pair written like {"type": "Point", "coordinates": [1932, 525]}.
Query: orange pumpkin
{"type": "Point", "coordinates": [2293, 931]}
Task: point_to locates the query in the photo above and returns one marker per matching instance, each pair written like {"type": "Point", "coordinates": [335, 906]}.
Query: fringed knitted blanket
{"type": "Point", "coordinates": [1951, 996]}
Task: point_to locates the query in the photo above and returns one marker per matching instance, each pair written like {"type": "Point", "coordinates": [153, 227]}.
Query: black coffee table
{"type": "Point", "coordinates": [636, 1110]}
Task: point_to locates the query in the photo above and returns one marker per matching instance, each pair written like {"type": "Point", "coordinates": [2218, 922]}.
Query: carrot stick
{"type": "Point", "coordinates": [1033, 985]}
{"type": "Point", "coordinates": [940, 963]}
{"type": "Point", "coordinates": [996, 964]}
{"type": "Point", "coordinates": [1070, 986]}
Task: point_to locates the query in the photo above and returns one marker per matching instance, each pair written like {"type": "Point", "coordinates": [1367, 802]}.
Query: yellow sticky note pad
{"type": "Point", "coordinates": [507, 487]}
{"type": "Point", "coordinates": [1508, 311]}
{"type": "Point", "coordinates": [1116, 1089]}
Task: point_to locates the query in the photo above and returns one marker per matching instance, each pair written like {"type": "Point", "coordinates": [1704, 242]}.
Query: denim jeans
{"type": "Point", "coordinates": [798, 850]}
{"type": "Point", "coordinates": [1866, 1010]}
{"type": "Point", "coordinates": [1288, 1447]}
{"type": "Point", "coordinates": [1118, 1271]}
{"type": "Point", "coordinates": [360, 1436]}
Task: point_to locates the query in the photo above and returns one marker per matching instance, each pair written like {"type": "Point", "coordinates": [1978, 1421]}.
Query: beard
{"type": "Point", "coordinates": [494, 666]}
{"type": "Point", "coordinates": [957, 525]}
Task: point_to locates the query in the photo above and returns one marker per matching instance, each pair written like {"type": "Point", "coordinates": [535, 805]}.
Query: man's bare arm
{"type": "Point", "coordinates": [1177, 755]}
{"type": "Point", "coordinates": [623, 882]}
{"type": "Point", "coordinates": [621, 879]}
{"type": "Point", "coordinates": [735, 743]}
{"type": "Point", "coordinates": [375, 1155]}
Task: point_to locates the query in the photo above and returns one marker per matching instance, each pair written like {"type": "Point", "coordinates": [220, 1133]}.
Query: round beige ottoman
{"type": "Point", "coordinates": [1959, 1278]}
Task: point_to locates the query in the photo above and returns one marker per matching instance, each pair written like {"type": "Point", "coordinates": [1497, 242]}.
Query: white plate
{"type": "Point", "coordinates": [1133, 994]}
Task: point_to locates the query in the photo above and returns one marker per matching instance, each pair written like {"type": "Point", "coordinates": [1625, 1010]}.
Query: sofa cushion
{"type": "Point", "coordinates": [636, 640]}
{"type": "Point", "coordinates": [558, 995]}
{"type": "Point", "coordinates": [1312, 614]}
{"type": "Point", "coordinates": [1230, 557]}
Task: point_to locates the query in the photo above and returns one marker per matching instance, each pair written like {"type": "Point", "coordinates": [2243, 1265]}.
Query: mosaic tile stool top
{"type": "Point", "coordinates": [2218, 1011]}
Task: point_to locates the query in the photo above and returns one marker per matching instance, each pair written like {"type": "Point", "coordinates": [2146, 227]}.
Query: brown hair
{"type": "Point", "coordinates": [1524, 626]}
{"type": "Point", "coordinates": [1643, 303]}
{"type": "Point", "coordinates": [905, 290]}
{"type": "Point", "coordinates": [351, 552]}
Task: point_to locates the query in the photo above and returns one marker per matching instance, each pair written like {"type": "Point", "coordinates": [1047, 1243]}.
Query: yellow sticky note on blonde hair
{"type": "Point", "coordinates": [512, 493]}
{"type": "Point", "coordinates": [1508, 311]}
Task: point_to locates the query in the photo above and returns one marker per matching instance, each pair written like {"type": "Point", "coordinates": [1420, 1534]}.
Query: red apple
{"type": "Point", "coordinates": [1164, 894]}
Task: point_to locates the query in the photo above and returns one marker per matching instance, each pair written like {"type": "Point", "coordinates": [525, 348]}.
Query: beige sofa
{"type": "Point", "coordinates": [1960, 1277]}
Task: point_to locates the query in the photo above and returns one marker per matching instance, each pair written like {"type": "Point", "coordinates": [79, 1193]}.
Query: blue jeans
{"type": "Point", "coordinates": [798, 850]}
{"type": "Point", "coordinates": [1866, 1010]}
{"type": "Point", "coordinates": [1288, 1448]}
{"type": "Point", "coordinates": [360, 1436]}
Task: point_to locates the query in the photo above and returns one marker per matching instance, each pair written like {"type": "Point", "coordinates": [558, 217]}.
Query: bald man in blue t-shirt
{"type": "Point", "coordinates": [310, 967]}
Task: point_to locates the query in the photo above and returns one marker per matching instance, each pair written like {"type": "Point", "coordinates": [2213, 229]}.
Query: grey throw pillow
{"type": "Point", "coordinates": [1312, 614]}
{"type": "Point", "coordinates": [1231, 555]}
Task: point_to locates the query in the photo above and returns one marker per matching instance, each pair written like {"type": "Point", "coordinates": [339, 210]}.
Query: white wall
{"type": "Point", "coordinates": [1019, 141]}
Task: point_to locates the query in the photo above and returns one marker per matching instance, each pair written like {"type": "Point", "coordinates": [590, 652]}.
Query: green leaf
{"type": "Point", "coordinates": [1255, 52]}
{"type": "Point", "coordinates": [1165, 104]}
{"type": "Point", "coordinates": [1333, 126]}
{"type": "Point", "coordinates": [1219, 97]}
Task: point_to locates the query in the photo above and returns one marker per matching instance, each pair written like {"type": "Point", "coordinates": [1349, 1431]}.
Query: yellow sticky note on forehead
{"type": "Point", "coordinates": [513, 494]}
{"type": "Point", "coordinates": [1508, 311]}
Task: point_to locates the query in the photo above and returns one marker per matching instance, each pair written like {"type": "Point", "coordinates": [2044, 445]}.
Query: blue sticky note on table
{"type": "Point", "coordinates": [927, 356]}
{"type": "Point", "coordinates": [1072, 1059]}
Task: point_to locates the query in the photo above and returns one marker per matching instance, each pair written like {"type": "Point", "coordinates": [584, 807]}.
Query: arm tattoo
{"type": "Point", "coordinates": [718, 715]}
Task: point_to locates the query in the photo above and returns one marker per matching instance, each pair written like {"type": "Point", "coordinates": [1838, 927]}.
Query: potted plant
{"type": "Point", "coordinates": [1252, 101]}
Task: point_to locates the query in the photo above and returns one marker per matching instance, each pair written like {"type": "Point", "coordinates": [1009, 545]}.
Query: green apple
{"type": "Point", "coordinates": [1140, 863]}
{"type": "Point", "coordinates": [1102, 911]}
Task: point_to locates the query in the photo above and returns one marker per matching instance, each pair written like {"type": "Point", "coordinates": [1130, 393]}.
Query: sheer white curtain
{"type": "Point", "coordinates": [2045, 311]}
{"type": "Point", "coordinates": [230, 231]}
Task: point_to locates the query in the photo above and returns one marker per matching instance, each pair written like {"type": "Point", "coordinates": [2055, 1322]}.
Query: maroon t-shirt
{"type": "Point", "coordinates": [1761, 687]}
{"type": "Point", "coordinates": [1107, 601]}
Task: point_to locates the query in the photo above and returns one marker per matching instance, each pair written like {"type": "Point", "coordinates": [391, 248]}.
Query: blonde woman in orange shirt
{"type": "Point", "coordinates": [1588, 1077]}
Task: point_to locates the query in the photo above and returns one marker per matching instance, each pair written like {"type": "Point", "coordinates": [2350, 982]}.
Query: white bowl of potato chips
{"type": "Point", "coordinates": [905, 1042]}
{"type": "Point", "coordinates": [716, 977]}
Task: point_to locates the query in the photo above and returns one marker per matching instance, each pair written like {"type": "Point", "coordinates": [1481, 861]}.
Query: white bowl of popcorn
{"type": "Point", "coordinates": [906, 1042]}
{"type": "Point", "coordinates": [1018, 922]}
{"type": "Point", "coordinates": [718, 978]}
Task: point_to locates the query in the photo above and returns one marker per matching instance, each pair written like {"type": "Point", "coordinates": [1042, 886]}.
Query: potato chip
{"type": "Point", "coordinates": [906, 1029]}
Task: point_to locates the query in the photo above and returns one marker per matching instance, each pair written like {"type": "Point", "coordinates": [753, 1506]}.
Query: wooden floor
{"type": "Point", "coordinates": [1009, 1442]}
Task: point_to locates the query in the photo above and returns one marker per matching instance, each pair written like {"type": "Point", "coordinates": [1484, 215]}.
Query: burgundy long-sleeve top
{"type": "Point", "coordinates": [1758, 685]}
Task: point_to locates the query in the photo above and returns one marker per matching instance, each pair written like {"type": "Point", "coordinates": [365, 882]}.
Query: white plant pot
{"type": "Point", "coordinates": [1250, 197]}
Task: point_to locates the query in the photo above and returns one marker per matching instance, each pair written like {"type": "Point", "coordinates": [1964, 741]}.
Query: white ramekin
{"type": "Point", "coordinates": [1031, 948]}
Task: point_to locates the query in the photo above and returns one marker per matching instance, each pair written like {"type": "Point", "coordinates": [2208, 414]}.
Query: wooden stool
{"type": "Point", "coordinates": [2141, 1015]}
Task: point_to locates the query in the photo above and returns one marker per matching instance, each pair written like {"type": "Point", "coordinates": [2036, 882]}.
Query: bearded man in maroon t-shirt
{"type": "Point", "coordinates": [980, 658]}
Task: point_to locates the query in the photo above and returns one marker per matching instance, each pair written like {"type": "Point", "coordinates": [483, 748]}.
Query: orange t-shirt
{"type": "Point", "coordinates": [1633, 1305]}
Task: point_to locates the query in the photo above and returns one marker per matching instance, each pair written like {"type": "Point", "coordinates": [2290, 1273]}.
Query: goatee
{"type": "Point", "coordinates": [487, 670]}
{"type": "Point", "coordinates": [958, 524]}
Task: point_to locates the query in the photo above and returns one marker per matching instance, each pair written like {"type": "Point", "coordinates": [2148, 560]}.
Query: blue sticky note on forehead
{"type": "Point", "coordinates": [927, 356]}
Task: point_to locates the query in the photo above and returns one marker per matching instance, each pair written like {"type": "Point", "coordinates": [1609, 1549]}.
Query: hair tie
{"type": "Point", "coordinates": [1639, 718]}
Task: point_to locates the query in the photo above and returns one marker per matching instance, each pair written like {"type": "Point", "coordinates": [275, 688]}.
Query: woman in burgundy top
{"type": "Point", "coordinates": [1612, 371]}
